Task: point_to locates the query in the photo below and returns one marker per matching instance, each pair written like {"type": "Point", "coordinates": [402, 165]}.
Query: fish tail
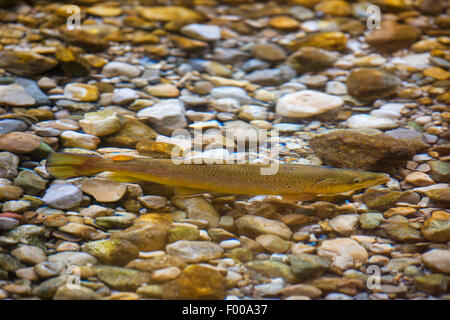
{"type": "Point", "coordinates": [67, 165]}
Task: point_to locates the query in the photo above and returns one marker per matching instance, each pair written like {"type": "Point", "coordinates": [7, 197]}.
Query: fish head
{"type": "Point", "coordinates": [347, 180]}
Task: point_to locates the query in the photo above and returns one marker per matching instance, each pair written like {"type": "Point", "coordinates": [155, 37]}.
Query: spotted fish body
{"type": "Point", "coordinates": [292, 181]}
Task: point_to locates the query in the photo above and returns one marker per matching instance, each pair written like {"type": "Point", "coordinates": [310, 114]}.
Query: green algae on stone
{"type": "Point", "coordinates": [183, 232]}
{"type": "Point", "coordinates": [116, 252]}
{"type": "Point", "coordinates": [383, 199]}
{"type": "Point", "coordinates": [48, 288]}
{"type": "Point", "coordinates": [30, 182]}
{"type": "Point", "coordinates": [149, 232]}
{"type": "Point", "coordinates": [121, 278]}
{"type": "Point", "coordinates": [440, 171]}
{"type": "Point", "coordinates": [434, 284]}
{"type": "Point", "coordinates": [370, 220]}
{"type": "Point", "coordinates": [272, 269]}
{"type": "Point", "coordinates": [131, 132]}
{"type": "Point", "coordinates": [307, 265]}
{"type": "Point", "coordinates": [196, 282]}
{"type": "Point", "coordinates": [437, 227]}
{"type": "Point", "coordinates": [9, 263]}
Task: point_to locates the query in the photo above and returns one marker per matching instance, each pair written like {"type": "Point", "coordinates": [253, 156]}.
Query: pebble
{"type": "Point", "coordinates": [104, 190]}
{"type": "Point", "coordinates": [419, 179]}
{"type": "Point", "coordinates": [115, 252]}
{"type": "Point", "coordinates": [437, 260]}
{"type": "Point", "coordinates": [29, 254]}
{"type": "Point", "coordinates": [115, 68]}
{"type": "Point", "coordinates": [344, 224]}
{"type": "Point", "coordinates": [100, 123]}
{"type": "Point", "coordinates": [19, 142]}
{"type": "Point", "coordinates": [73, 139]}
{"type": "Point", "coordinates": [236, 93]}
{"type": "Point", "coordinates": [63, 196]}
{"type": "Point", "coordinates": [306, 103]}
{"type": "Point", "coordinates": [194, 251]}
{"type": "Point", "coordinates": [268, 52]}
{"type": "Point", "coordinates": [8, 223]}
{"type": "Point", "coordinates": [11, 125]}
{"type": "Point", "coordinates": [15, 95]}
{"type": "Point", "coordinates": [125, 82]}
{"type": "Point", "coordinates": [343, 247]}
{"type": "Point", "coordinates": [72, 258]}
{"type": "Point", "coordinates": [254, 226]}
{"type": "Point", "coordinates": [165, 116]}
{"type": "Point", "coordinates": [9, 163]}
{"type": "Point", "coordinates": [370, 84]}
{"type": "Point", "coordinates": [81, 92]}
{"type": "Point", "coordinates": [202, 32]}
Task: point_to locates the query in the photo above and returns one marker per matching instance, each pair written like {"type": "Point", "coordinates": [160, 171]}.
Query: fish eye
{"type": "Point", "coordinates": [357, 180]}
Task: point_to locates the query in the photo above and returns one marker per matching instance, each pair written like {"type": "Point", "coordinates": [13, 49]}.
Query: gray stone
{"type": "Point", "coordinates": [232, 92]}
{"type": "Point", "coordinates": [166, 116]}
{"type": "Point", "coordinates": [63, 196]}
{"type": "Point", "coordinates": [11, 125]}
{"type": "Point", "coordinates": [8, 223]}
{"type": "Point", "coordinates": [9, 163]}
{"type": "Point", "coordinates": [33, 90]}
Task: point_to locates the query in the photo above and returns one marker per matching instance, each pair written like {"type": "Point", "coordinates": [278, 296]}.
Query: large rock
{"type": "Point", "coordinates": [115, 251]}
{"type": "Point", "coordinates": [9, 164]}
{"type": "Point", "coordinates": [393, 36]}
{"type": "Point", "coordinates": [195, 251]}
{"type": "Point", "coordinates": [370, 84]}
{"type": "Point", "coordinates": [198, 208]}
{"type": "Point", "coordinates": [312, 59]}
{"type": "Point", "coordinates": [437, 260]}
{"type": "Point", "coordinates": [171, 13]}
{"type": "Point", "coordinates": [344, 248]}
{"type": "Point", "coordinates": [253, 226]}
{"type": "Point", "coordinates": [63, 196]}
{"type": "Point", "coordinates": [14, 95]}
{"type": "Point", "coordinates": [196, 282]}
{"type": "Point", "coordinates": [121, 278]}
{"type": "Point", "coordinates": [437, 227]}
{"type": "Point", "coordinates": [367, 149]}
{"type": "Point", "coordinates": [306, 103]}
{"type": "Point", "coordinates": [308, 265]}
{"type": "Point", "coordinates": [383, 199]}
{"type": "Point", "coordinates": [150, 232]}
{"type": "Point", "coordinates": [25, 63]}
{"type": "Point", "coordinates": [165, 116]}
{"type": "Point", "coordinates": [100, 123]}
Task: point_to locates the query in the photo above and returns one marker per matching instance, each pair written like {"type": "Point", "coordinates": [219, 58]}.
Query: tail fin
{"type": "Point", "coordinates": [67, 165]}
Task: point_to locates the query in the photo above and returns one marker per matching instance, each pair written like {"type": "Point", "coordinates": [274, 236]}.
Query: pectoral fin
{"type": "Point", "coordinates": [296, 197]}
{"type": "Point", "coordinates": [118, 177]}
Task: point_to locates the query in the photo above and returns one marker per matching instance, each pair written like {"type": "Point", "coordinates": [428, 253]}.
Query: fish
{"type": "Point", "coordinates": [293, 182]}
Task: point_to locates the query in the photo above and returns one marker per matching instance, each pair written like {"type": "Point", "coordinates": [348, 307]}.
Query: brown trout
{"type": "Point", "coordinates": [294, 182]}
